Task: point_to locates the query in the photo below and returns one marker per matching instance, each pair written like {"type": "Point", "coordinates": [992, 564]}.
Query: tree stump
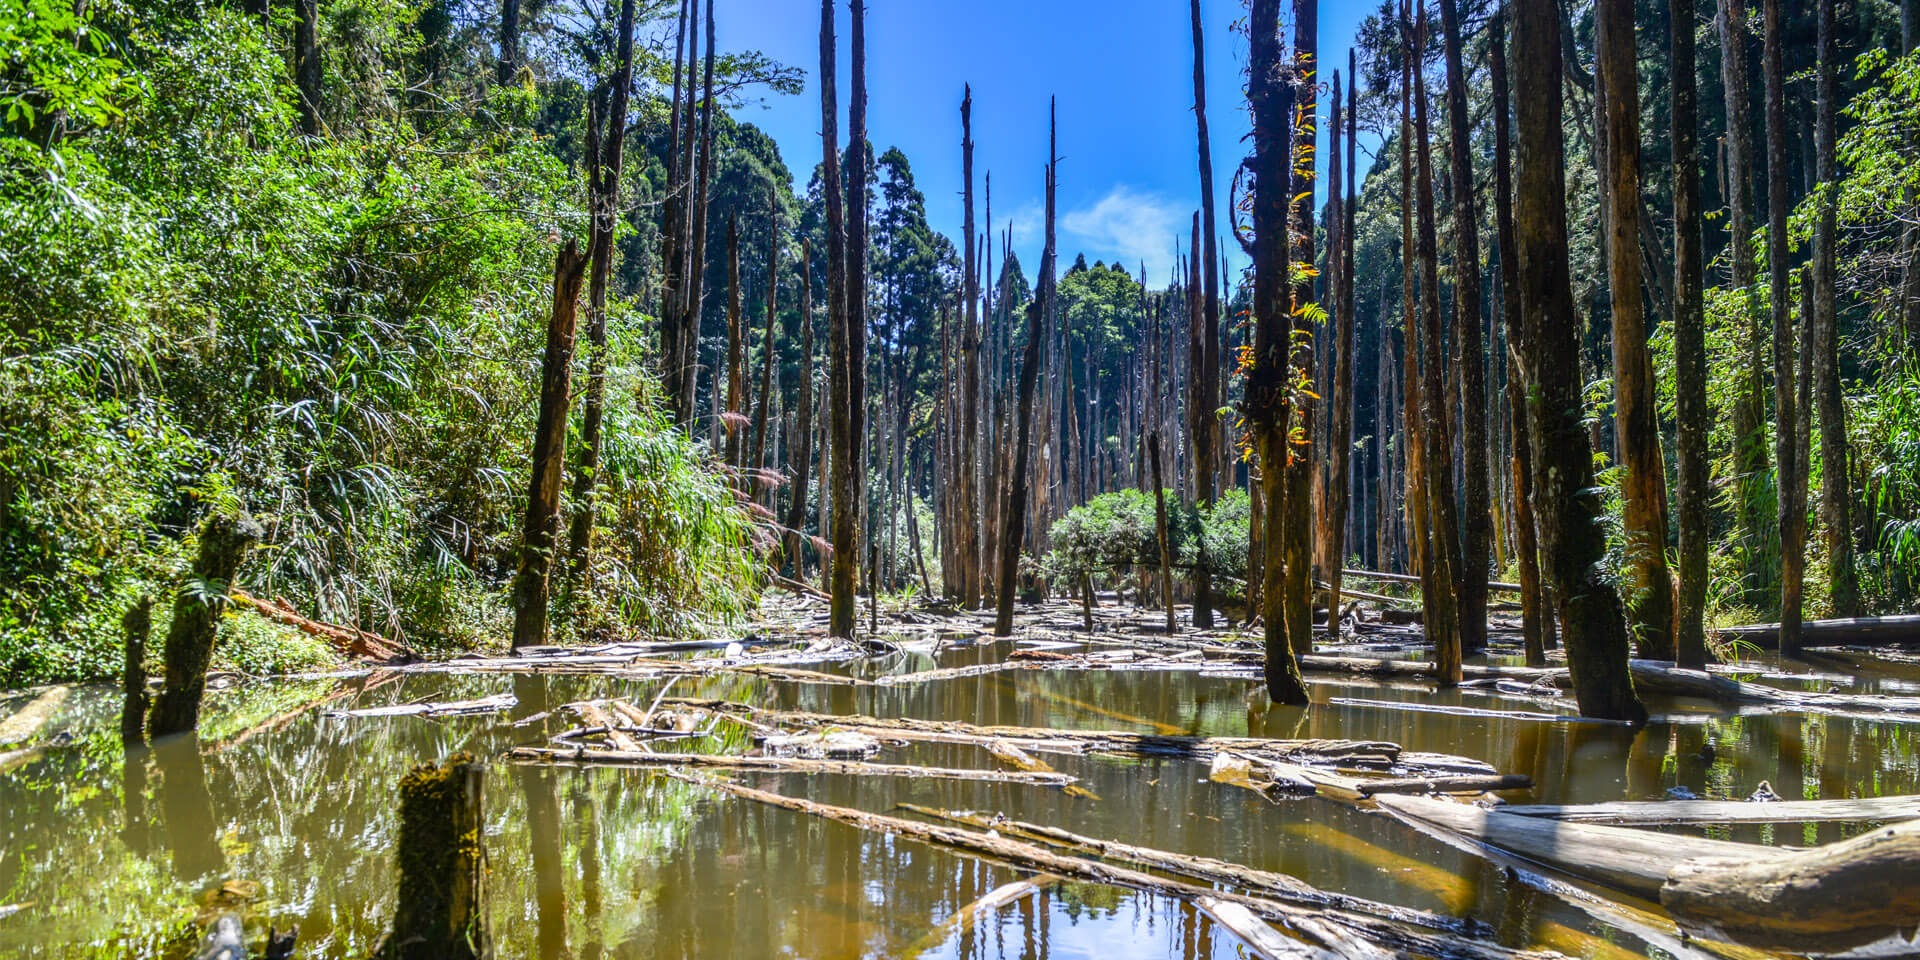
{"type": "Point", "coordinates": [224, 542]}
{"type": "Point", "coordinates": [138, 624]}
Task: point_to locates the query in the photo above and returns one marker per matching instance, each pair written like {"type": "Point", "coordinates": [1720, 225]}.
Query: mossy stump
{"type": "Point", "coordinates": [224, 542]}
{"type": "Point", "coordinates": [138, 624]}
{"type": "Point", "coordinates": [441, 911]}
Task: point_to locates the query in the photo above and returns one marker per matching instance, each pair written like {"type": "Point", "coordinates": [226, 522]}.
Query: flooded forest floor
{"type": "Point", "coordinates": [936, 792]}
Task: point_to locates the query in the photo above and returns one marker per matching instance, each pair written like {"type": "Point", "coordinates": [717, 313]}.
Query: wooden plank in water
{"type": "Point", "coordinates": [1655, 812]}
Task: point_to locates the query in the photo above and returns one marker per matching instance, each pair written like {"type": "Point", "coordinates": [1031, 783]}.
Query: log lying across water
{"type": "Point", "coordinates": [1895, 631]}
{"type": "Point", "coordinates": [970, 915]}
{"type": "Point", "coordinates": [451, 708]}
{"type": "Point", "coordinates": [639, 758]}
{"type": "Point", "coordinates": [1656, 677]}
{"type": "Point", "coordinates": [348, 640]}
{"type": "Point", "coordinates": [1666, 812]}
{"type": "Point", "coordinates": [1328, 933]}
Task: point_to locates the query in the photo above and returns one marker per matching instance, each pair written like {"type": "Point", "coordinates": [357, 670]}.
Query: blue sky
{"type": "Point", "coordinates": [1122, 71]}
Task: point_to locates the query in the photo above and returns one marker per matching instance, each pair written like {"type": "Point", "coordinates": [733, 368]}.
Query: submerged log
{"type": "Point", "coordinates": [224, 542]}
{"type": "Point", "coordinates": [451, 708]}
{"type": "Point", "coordinates": [1266, 883]}
{"type": "Point", "coordinates": [1262, 940]}
{"type": "Point", "coordinates": [31, 717]}
{"type": "Point", "coordinates": [1825, 900]}
{"type": "Point", "coordinates": [1666, 812]}
{"type": "Point", "coordinates": [781, 765]}
{"type": "Point", "coordinates": [970, 915]}
{"type": "Point", "coordinates": [1459, 711]}
{"type": "Point", "coordinates": [1653, 676]}
{"type": "Point", "coordinates": [440, 913]}
{"type": "Point", "coordinates": [1330, 932]}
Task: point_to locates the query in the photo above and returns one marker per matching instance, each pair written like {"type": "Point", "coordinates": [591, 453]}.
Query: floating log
{"type": "Point", "coordinates": [32, 717]}
{"type": "Point", "coordinates": [1279, 886]}
{"type": "Point", "coordinates": [1826, 900]}
{"type": "Point", "coordinates": [1354, 752]}
{"type": "Point", "coordinates": [452, 708]}
{"type": "Point", "coordinates": [1632, 861]}
{"type": "Point", "coordinates": [630, 758]}
{"type": "Point", "coordinates": [1652, 676]}
{"type": "Point", "coordinates": [351, 641]}
{"type": "Point", "coordinates": [1457, 711]}
{"type": "Point", "coordinates": [440, 913]}
{"type": "Point", "coordinates": [1895, 631]}
{"type": "Point", "coordinates": [1666, 812]}
{"type": "Point", "coordinates": [1260, 937]}
{"type": "Point", "coordinates": [1382, 666]}
{"type": "Point", "coordinates": [1333, 933]}
{"type": "Point", "coordinates": [949, 673]}
{"type": "Point", "coordinates": [970, 915]}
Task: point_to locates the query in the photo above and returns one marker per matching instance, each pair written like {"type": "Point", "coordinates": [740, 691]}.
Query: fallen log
{"type": "Point", "coordinates": [1353, 752]}
{"type": "Point", "coordinates": [453, 708]}
{"type": "Point", "coordinates": [1493, 585]}
{"type": "Point", "coordinates": [1021, 760]}
{"type": "Point", "coordinates": [949, 673]}
{"type": "Point", "coordinates": [1381, 666]}
{"type": "Point", "coordinates": [30, 718]}
{"type": "Point", "coordinates": [1457, 711]}
{"type": "Point", "coordinates": [1652, 676]}
{"type": "Point", "coordinates": [1894, 631]}
{"type": "Point", "coordinates": [1826, 900]}
{"type": "Point", "coordinates": [348, 640]}
{"type": "Point", "coordinates": [1631, 861]}
{"type": "Point", "coordinates": [635, 758]}
{"type": "Point", "coordinates": [1333, 933]}
{"type": "Point", "coordinates": [1279, 886]}
{"type": "Point", "coordinates": [968, 916]}
{"type": "Point", "coordinates": [1261, 938]}
{"type": "Point", "coordinates": [1669, 812]}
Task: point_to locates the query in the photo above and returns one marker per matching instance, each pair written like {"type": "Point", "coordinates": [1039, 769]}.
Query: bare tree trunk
{"type": "Point", "coordinates": [856, 275]}
{"type": "Point", "coordinates": [1836, 495]}
{"type": "Point", "coordinates": [1203, 358]}
{"type": "Point", "coordinates": [845, 444]}
{"type": "Point", "coordinates": [1269, 411]}
{"type": "Point", "coordinates": [1161, 532]}
{"type": "Point", "coordinates": [768, 351]}
{"type": "Point", "coordinates": [306, 63]}
{"type": "Point", "coordinates": [695, 295]}
{"type": "Point", "coordinates": [1569, 514]}
{"type": "Point", "coordinates": [1533, 613]}
{"type": "Point", "coordinates": [1340, 255]}
{"type": "Point", "coordinates": [1750, 451]}
{"type": "Point", "coordinates": [1636, 416]}
{"type": "Point", "coordinates": [1444, 561]}
{"type": "Point", "coordinates": [1469, 346]}
{"type": "Point", "coordinates": [731, 426]}
{"type": "Point", "coordinates": [605, 153]}
{"type": "Point", "coordinates": [509, 62]}
{"type": "Point", "coordinates": [967, 531]}
{"type": "Point", "coordinates": [542, 524]}
{"type": "Point", "coordinates": [1793, 511]}
{"type": "Point", "coordinates": [1693, 415]}
{"type": "Point", "coordinates": [672, 221]}
{"type": "Point", "coordinates": [1297, 549]}
{"type": "Point", "coordinates": [1012, 527]}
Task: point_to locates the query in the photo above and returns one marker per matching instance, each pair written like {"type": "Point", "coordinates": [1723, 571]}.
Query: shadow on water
{"type": "Point", "coordinates": [117, 851]}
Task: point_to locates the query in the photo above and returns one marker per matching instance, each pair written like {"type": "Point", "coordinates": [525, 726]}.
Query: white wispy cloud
{"type": "Point", "coordinates": [1129, 227]}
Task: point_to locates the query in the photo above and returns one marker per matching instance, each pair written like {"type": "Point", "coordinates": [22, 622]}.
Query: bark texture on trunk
{"type": "Point", "coordinates": [1788, 444]}
{"type": "Point", "coordinates": [540, 530]}
{"type": "Point", "coordinates": [844, 444]}
{"type": "Point", "coordinates": [1750, 450]}
{"type": "Point", "coordinates": [1013, 525]}
{"type": "Point", "coordinates": [1203, 356]}
{"type": "Point", "coordinates": [1836, 494]}
{"type": "Point", "coordinates": [1572, 539]}
{"type": "Point", "coordinates": [224, 542]}
{"type": "Point", "coordinates": [441, 910]}
{"type": "Point", "coordinates": [1636, 415]}
{"type": "Point", "coordinates": [1268, 407]}
{"type": "Point", "coordinates": [1693, 416]}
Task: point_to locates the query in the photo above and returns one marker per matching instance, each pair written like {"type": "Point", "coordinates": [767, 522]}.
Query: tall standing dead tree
{"type": "Point", "coordinates": [1268, 408]}
{"type": "Point", "coordinates": [1694, 418]}
{"type": "Point", "coordinates": [843, 445]}
{"type": "Point", "coordinates": [966, 532]}
{"type": "Point", "coordinates": [542, 524]}
{"type": "Point", "coordinates": [1750, 449]}
{"type": "Point", "coordinates": [1573, 541]}
{"type": "Point", "coordinates": [1788, 442]}
{"type": "Point", "coordinates": [1203, 345]}
{"type": "Point", "coordinates": [1836, 495]}
{"type": "Point", "coordinates": [1013, 512]}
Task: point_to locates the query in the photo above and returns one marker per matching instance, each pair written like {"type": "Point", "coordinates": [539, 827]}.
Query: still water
{"type": "Point", "coordinates": [289, 816]}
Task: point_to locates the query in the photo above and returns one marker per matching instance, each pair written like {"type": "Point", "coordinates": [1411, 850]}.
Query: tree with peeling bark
{"type": "Point", "coordinates": [1569, 512]}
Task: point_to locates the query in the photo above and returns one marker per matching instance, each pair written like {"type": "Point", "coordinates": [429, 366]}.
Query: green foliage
{"type": "Point", "coordinates": [340, 335]}
{"type": "Point", "coordinates": [1111, 534]}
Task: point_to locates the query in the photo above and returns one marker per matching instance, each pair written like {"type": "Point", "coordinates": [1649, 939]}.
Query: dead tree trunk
{"type": "Point", "coordinates": [757, 463]}
{"type": "Point", "coordinates": [730, 432]}
{"type": "Point", "coordinates": [1302, 433]}
{"type": "Point", "coordinates": [606, 139]}
{"type": "Point", "coordinates": [1444, 560]}
{"type": "Point", "coordinates": [306, 63]}
{"type": "Point", "coordinates": [1569, 513]}
{"type": "Point", "coordinates": [1636, 417]}
{"type": "Point", "coordinates": [1750, 450]}
{"type": "Point", "coordinates": [1203, 357]}
{"type": "Point", "coordinates": [802, 456]}
{"type": "Point", "coordinates": [1160, 529]}
{"type": "Point", "coordinates": [1469, 346]}
{"type": "Point", "coordinates": [542, 524]}
{"type": "Point", "coordinates": [509, 34]}
{"type": "Point", "coordinates": [1269, 410]}
{"type": "Point", "coordinates": [1013, 524]}
{"type": "Point", "coordinates": [672, 221]}
{"type": "Point", "coordinates": [440, 913]}
{"type": "Point", "coordinates": [845, 444]}
{"type": "Point", "coordinates": [1787, 454]}
{"type": "Point", "coordinates": [224, 542]}
{"type": "Point", "coordinates": [966, 531]}
{"type": "Point", "coordinates": [1340, 440]}
{"type": "Point", "coordinates": [1693, 416]}
{"type": "Point", "coordinates": [856, 252]}
{"type": "Point", "coordinates": [1534, 623]}
{"type": "Point", "coordinates": [1836, 495]}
